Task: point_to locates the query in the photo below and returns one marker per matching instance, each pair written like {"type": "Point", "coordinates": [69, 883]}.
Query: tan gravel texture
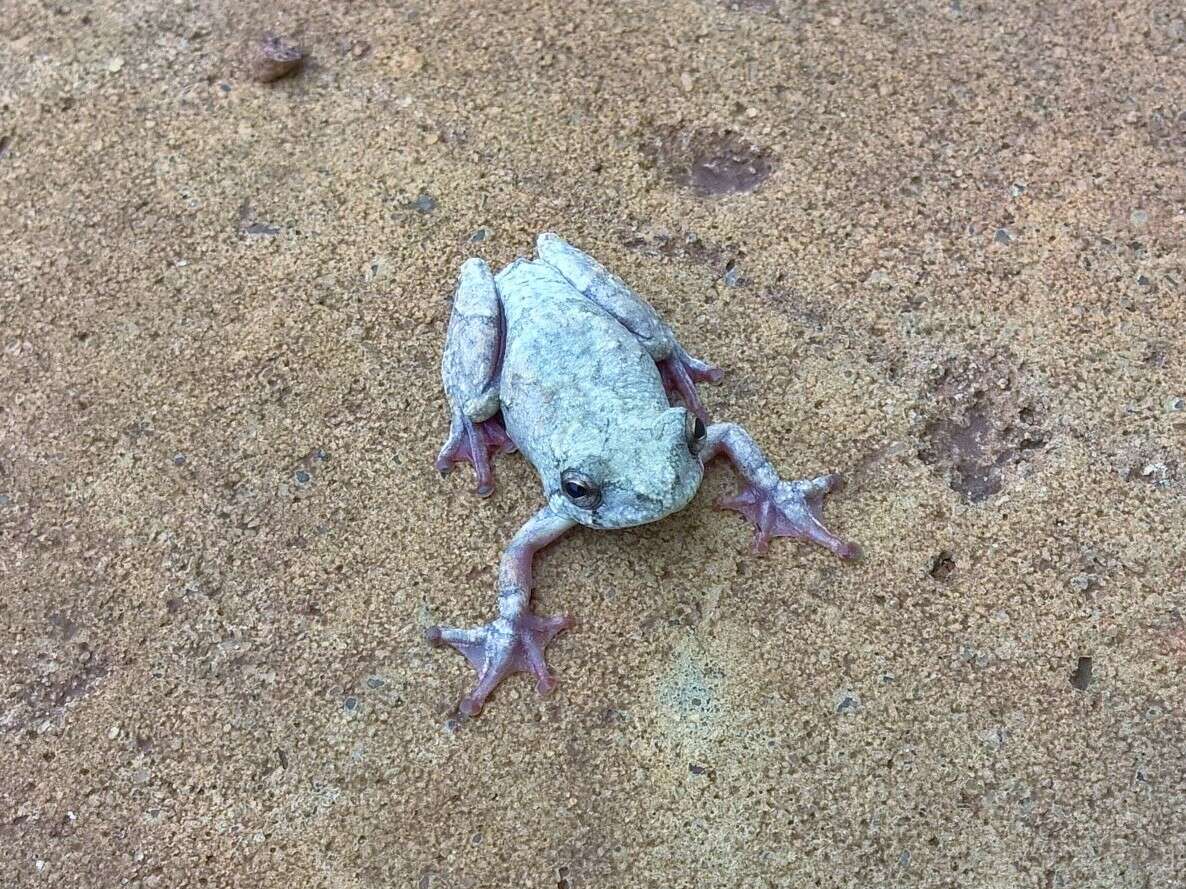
{"type": "Point", "coordinates": [953, 267]}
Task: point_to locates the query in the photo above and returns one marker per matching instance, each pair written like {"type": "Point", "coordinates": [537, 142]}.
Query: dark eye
{"type": "Point", "coordinates": [695, 432]}
{"type": "Point", "coordinates": [580, 489]}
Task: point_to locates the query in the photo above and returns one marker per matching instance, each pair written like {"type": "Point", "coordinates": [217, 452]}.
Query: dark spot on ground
{"type": "Point", "coordinates": [984, 430]}
{"type": "Point", "coordinates": [1081, 675]}
{"type": "Point", "coordinates": [1156, 354]}
{"type": "Point", "coordinates": [274, 58]}
{"type": "Point", "coordinates": [49, 697]}
{"type": "Point", "coordinates": [5, 146]}
{"type": "Point", "coordinates": [261, 228]}
{"type": "Point", "coordinates": [942, 566]}
{"type": "Point", "coordinates": [66, 627]}
{"type": "Point", "coordinates": [424, 204]}
{"type": "Point", "coordinates": [711, 163]}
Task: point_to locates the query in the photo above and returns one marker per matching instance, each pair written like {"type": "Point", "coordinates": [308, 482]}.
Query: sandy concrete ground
{"type": "Point", "coordinates": [937, 246]}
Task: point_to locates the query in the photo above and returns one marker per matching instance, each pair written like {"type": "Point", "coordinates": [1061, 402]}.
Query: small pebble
{"type": "Point", "coordinates": [847, 703]}
{"type": "Point", "coordinates": [1173, 405]}
{"type": "Point", "coordinates": [302, 477]}
{"type": "Point", "coordinates": [375, 682]}
{"type": "Point", "coordinates": [115, 65]}
{"type": "Point", "coordinates": [179, 459]}
{"type": "Point", "coordinates": [113, 732]}
{"type": "Point", "coordinates": [425, 204]}
{"type": "Point", "coordinates": [1138, 218]}
{"type": "Point", "coordinates": [274, 58]}
{"type": "Point", "coordinates": [1002, 236]}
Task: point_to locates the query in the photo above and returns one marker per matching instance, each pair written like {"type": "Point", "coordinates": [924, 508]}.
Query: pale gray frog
{"type": "Point", "coordinates": [558, 358]}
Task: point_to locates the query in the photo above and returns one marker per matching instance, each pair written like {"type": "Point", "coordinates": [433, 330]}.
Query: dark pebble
{"type": "Point", "coordinates": [275, 58]}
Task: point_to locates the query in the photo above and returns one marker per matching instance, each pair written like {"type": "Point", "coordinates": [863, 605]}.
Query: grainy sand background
{"type": "Point", "coordinates": [940, 247]}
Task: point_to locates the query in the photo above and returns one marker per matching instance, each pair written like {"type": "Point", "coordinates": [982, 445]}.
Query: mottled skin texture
{"type": "Point", "coordinates": [559, 358]}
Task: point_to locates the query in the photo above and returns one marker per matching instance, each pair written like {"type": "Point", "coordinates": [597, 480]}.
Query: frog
{"type": "Point", "coordinates": [560, 360]}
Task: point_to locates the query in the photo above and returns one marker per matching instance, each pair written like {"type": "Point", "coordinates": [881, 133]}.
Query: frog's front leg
{"type": "Point", "coordinates": [515, 640]}
{"type": "Point", "coordinates": [470, 370]}
{"type": "Point", "coordinates": [777, 508]}
{"type": "Point", "coordinates": [679, 370]}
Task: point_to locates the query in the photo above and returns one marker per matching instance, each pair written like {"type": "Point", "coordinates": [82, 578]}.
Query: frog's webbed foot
{"type": "Point", "coordinates": [777, 508]}
{"type": "Point", "coordinates": [503, 646]}
{"type": "Point", "coordinates": [515, 641]}
{"type": "Point", "coordinates": [477, 444]}
{"type": "Point", "coordinates": [681, 372]}
{"type": "Point", "coordinates": [790, 509]}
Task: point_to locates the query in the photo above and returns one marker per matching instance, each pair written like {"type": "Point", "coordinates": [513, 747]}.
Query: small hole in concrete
{"type": "Point", "coordinates": [1081, 677]}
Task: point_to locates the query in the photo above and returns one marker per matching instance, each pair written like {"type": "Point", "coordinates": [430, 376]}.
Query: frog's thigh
{"type": "Point", "coordinates": [469, 367]}
{"type": "Point", "coordinates": [591, 279]}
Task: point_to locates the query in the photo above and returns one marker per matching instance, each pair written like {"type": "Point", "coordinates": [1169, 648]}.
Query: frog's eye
{"type": "Point", "coordinates": [695, 432]}
{"type": "Point", "coordinates": [579, 488]}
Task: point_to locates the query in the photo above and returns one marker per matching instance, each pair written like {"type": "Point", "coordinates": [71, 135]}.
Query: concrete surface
{"type": "Point", "coordinates": [937, 246]}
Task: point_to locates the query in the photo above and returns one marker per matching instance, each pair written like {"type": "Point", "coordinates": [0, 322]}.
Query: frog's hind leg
{"type": "Point", "coordinates": [679, 370]}
{"type": "Point", "coordinates": [470, 371]}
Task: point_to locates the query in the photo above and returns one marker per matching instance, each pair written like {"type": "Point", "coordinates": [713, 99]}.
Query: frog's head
{"type": "Point", "coordinates": [630, 473]}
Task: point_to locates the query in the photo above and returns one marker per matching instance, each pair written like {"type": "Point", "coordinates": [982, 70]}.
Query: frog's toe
{"type": "Point", "coordinates": [791, 509]}
{"type": "Point", "coordinates": [476, 444]}
{"type": "Point", "coordinates": [500, 648]}
{"type": "Point", "coordinates": [681, 372]}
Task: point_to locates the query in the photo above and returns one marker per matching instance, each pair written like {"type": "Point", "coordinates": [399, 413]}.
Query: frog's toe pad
{"type": "Point", "coordinates": [500, 648]}
{"type": "Point", "coordinates": [476, 444]}
{"type": "Point", "coordinates": [791, 509]}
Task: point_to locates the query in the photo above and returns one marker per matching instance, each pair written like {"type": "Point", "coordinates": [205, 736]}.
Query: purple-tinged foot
{"type": "Point", "coordinates": [681, 372]}
{"type": "Point", "coordinates": [790, 509]}
{"type": "Point", "coordinates": [503, 646]}
{"type": "Point", "coordinates": [477, 444]}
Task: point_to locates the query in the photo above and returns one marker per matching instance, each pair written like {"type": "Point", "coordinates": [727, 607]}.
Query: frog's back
{"type": "Point", "coordinates": [566, 360]}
